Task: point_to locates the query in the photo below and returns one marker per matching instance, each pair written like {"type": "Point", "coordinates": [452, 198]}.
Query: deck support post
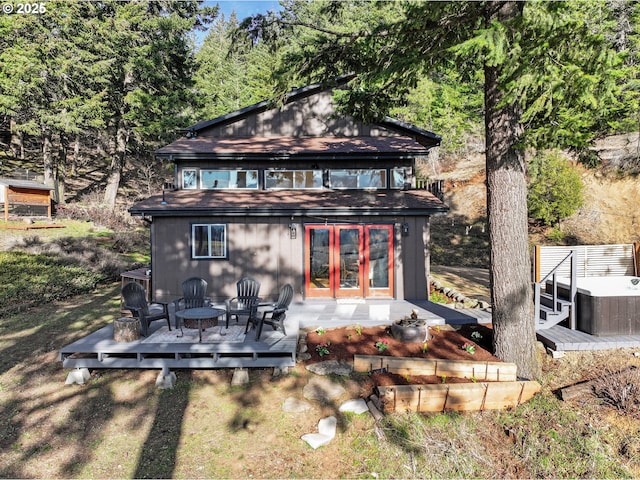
{"type": "Point", "coordinates": [78, 375]}
{"type": "Point", "coordinates": [166, 379]}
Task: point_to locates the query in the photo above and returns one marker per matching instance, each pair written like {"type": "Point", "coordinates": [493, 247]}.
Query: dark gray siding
{"type": "Point", "coordinates": [261, 247]}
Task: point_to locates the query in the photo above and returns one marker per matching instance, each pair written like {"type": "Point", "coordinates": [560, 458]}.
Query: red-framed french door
{"type": "Point", "coordinates": [344, 261]}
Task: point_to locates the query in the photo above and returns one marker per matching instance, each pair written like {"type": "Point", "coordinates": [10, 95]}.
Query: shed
{"type": "Point", "coordinates": [25, 197]}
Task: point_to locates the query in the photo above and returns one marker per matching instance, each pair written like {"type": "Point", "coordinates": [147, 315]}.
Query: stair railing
{"type": "Point", "coordinates": [572, 257]}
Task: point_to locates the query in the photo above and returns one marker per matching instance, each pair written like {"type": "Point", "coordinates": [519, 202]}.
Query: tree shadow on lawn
{"type": "Point", "coordinates": [48, 429]}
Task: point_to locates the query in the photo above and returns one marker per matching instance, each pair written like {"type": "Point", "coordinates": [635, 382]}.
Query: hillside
{"type": "Point", "coordinates": [609, 215]}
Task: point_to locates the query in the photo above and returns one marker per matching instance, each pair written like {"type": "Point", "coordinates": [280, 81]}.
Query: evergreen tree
{"type": "Point", "coordinates": [533, 77]}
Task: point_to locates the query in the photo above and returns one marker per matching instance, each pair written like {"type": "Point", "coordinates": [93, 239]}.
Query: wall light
{"type": "Point", "coordinates": [405, 229]}
{"type": "Point", "coordinates": [293, 231]}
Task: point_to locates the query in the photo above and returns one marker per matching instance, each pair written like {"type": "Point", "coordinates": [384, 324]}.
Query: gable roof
{"type": "Point", "coordinates": [417, 140]}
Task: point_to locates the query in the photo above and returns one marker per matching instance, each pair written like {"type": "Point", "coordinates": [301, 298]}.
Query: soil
{"type": "Point", "coordinates": [444, 343]}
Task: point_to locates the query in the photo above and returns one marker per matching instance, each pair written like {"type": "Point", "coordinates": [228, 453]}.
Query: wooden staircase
{"type": "Point", "coordinates": [552, 307]}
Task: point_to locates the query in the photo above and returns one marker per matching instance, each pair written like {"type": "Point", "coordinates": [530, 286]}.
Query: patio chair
{"type": "Point", "coordinates": [194, 291]}
{"type": "Point", "coordinates": [135, 300]}
{"type": "Point", "coordinates": [277, 312]}
{"type": "Point", "coordinates": [246, 302]}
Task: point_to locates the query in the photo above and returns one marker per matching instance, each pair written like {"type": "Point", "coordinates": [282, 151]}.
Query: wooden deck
{"type": "Point", "coordinates": [561, 339]}
{"type": "Point", "coordinates": [99, 350]}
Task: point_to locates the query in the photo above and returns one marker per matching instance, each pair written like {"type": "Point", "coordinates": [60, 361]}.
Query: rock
{"type": "Point", "coordinates": [322, 389]}
{"type": "Point", "coordinates": [356, 406]}
{"type": "Point", "coordinates": [303, 357]}
{"type": "Point", "coordinates": [294, 405]}
{"type": "Point", "coordinates": [326, 433]}
{"type": "Point", "coordinates": [329, 367]}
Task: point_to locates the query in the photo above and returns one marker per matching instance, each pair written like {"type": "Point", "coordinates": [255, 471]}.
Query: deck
{"type": "Point", "coordinates": [562, 339]}
{"type": "Point", "coordinates": [99, 350]}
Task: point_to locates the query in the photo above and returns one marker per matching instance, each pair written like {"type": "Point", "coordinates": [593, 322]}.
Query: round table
{"type": "Point", "coordinates": [199, 314]}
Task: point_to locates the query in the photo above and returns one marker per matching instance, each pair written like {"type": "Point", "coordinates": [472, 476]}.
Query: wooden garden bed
{"type": "Point", "coordinates": [491, 385]}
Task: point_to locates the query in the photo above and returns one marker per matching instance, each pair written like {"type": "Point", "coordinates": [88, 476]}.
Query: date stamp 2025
{"type": "Point", "coordinates": [36, 8]}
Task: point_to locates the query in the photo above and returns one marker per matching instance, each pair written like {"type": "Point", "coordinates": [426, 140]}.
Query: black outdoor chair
{"type": "Point", "coordinates": [246, 302]}
{"type": "Point", "coordinates": [135, 300]}
{"type": "Point", "coordinates": [276, 314]}
{"type": "Point", "coordinates": [194, 291]}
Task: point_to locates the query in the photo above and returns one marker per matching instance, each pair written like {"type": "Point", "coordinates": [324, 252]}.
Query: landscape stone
{"type": "Point", "coordinates": [303, 357]}
{"type": "Point", "coordinates": [326, 433]}
{"type": "Point", "coordinates": [322, 389]}
{"type": "Point", "coordinates": [328, 367]}
{"type": "Point", "coordinates": [356, 406]}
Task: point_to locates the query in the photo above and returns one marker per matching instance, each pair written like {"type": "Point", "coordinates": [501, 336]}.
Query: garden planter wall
{"type": "Point", "coordinates": [492, 386]}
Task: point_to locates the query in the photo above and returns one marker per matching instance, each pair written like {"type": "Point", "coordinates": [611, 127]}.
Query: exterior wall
{"type": "Point", "coordinates": [311, 116]}
{"type": "Point", "coordinates": [261, 247]}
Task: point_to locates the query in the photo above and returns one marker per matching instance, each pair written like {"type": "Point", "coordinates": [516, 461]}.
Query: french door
{"type": "Point", "coordinates": [348, 261]}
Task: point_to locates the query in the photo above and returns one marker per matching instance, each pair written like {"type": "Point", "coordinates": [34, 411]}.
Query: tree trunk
{"type": "Point", "coordinates": [47, 157]}
{"type": "Point", "coordinates": [115, 169]}
{"type": "Point", "coordinates": [510, 270]}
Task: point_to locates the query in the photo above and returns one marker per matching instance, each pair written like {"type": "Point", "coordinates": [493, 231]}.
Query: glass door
{"type": "Point", "coordinates": [319, 261]}
{"type": "Point", "coordinates": [348, 261]}
{"type": "Point", "coordinates": [379, 260]}
{"type": "Point", "coordinates": [349, 264]}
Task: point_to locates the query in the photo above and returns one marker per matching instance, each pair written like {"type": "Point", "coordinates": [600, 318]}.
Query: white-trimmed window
{"type": "Point", "coordinates": [189, 179]}
{"type": "Point", "coordinates": [398, 177]}
{"type": "Point", "coordinates": [358, 179]}
{"type": "Point", "coordinates": [208, 240]}
{"type": "Point", "coordinates": [296, 179]}
{"type": "Point", "coordinates": [213, 179]}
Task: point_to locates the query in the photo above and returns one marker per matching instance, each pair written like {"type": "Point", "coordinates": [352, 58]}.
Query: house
{"type": "Point", "coordinates": [294, 194]}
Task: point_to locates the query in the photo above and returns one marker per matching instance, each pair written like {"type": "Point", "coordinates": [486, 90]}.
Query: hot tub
{"type": "Point", "coordinates": [606, 305]}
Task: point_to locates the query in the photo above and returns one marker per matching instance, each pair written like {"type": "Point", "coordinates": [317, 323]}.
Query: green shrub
{"type": "Point", "coordinates": [35, 279]}
{"type": "Point", "coordinates": [438, 297]}
{"type": "Point", "coordinates": [555, 189]}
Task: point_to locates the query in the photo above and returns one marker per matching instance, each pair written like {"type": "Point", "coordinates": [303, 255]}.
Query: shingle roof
{"type": "Point", "coordinates": [199, 146]}
{"type": "Point", "coordinates": [290, 202]}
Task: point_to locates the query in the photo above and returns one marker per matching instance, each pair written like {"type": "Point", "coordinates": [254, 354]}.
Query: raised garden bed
{"type": "Point", "coordinates": [446, 384]}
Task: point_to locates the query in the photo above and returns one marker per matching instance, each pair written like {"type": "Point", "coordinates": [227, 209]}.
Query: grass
{"type": "Point", "coordinates": [120, 425]}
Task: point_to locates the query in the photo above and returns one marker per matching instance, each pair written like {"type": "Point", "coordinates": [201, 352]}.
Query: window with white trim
{"type": "Point", "coordinates": [208, 240]}
{"type": "Point", "coordinates": [213, 179]}
{"type": "Point", "coordinates": [189, 178]}
{"type": "Point", "coordinates": [297, 179]}
{"type": "Point", "coordinates": [398, 177]}
{"type": "Point", "coordinates": [358, 179]}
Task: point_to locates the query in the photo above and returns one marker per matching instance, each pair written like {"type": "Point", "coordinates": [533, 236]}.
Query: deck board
{"type": "Point", "coordinates": [560, 338]}
{"type": "Point", "coordinates": [99, 350]}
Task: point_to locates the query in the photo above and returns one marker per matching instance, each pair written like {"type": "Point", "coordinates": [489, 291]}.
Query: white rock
{"type": "Point", "coordinates": [356, 406]}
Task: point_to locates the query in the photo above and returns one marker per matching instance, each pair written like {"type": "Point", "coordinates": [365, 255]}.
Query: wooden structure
{"type": "Point", "coordinates": [298, 195]}
{"type": "Point", "coordinates": [25, 196]}
{"type": "Point", "coordinates": [491, 371]}
{"type": "Point", "coordinates": [591, 261]}
{"type": "Point", "coordinates": [100, 350]}
{"type": "Point", "coordinates": [493, 385]}
{"type": "Point", "coordinates": [457, 396]}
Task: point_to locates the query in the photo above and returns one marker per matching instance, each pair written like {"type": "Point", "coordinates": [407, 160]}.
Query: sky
{"type": "Point", "coordinates": [245, 8]}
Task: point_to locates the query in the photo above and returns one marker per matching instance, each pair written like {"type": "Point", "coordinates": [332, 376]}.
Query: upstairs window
{"type": "Point", "coordinates": [208, 240]}
{"type": "Point", "coordinates": [216, 179]}
{"type": "Point", "coordinates": [358, 179]}
{"type": "Point", "coordinates": [399, 177]}
{"type": "Point", "coordinates": [295, 179]}
{"type": "Point", "coordinates": [189, 179]}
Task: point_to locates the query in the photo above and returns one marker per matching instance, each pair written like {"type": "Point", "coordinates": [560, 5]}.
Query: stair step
{"type": "Point", "coordinates": [547, 318]}
{"type": "Point", "coordinates": [561, 303]}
